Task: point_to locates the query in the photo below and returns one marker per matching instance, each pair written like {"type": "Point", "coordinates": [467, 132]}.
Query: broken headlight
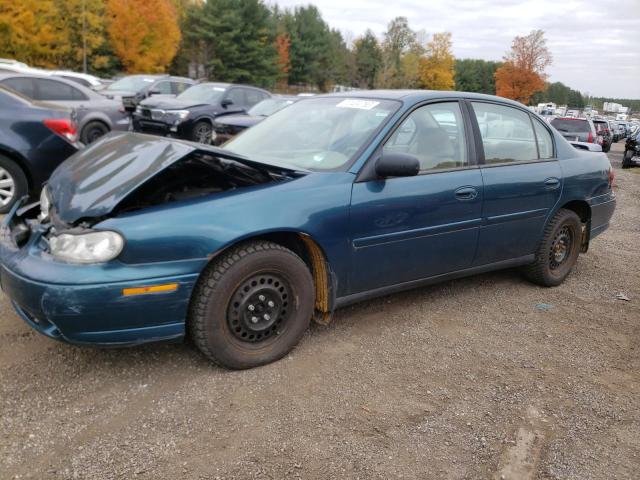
{"type": "Point", "coordinates": [45, 204]}
{"type": "Point", "coordinates": [93, 247]}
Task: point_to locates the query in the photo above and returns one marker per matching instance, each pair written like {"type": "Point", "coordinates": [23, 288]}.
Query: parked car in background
{"type": "Point", "coordinates": [191, 114]}
{"type": "Point", "coordinates": [228, 126]}
{"type": "Point", "coordinates": [133, 89]}
{"type": "Point", "coordinates": [96, 115]}
{"type": "Point", "coordinates": [84, 79]}
{"type": "Point", "coordinates": [35, 137]}
{"type": "Point", "coordinates": [333, 200]}
{"type": "Point", "coordinates": [631, 157]}
{"type": "Point", "coordinates": [577, 129]}
{"type": "Point", "coordinates": [603, 130]}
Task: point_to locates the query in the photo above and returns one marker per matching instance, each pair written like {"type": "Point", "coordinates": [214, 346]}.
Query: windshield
{"type": "Point", "coordinates": [205, 93]}
{"type": "Point", "coordinates": [314, 134]}
{"type": "Point", "coordinates": [131, 84]}
{"type": "Point", "coordinates": [569, 125]}
{"type": "Point", "coordinates": [269, 106]}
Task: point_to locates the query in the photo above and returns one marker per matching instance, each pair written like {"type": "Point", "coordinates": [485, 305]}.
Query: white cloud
{"type": "Point", "coordinates": [595, 44]}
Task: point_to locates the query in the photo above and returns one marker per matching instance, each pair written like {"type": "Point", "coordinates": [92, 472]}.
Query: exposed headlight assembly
{"type": "Point", "coordinates": [45, 204]}
{"type": "Point", "coordinates": [93, 247]}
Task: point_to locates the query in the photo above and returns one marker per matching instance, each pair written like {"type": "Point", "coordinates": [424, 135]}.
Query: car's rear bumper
{"type": "Point", "coordinates": [602, 208]}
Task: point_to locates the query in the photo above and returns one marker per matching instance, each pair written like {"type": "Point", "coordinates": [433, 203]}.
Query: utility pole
{"type": "Point", "coordinates": [84, 36]}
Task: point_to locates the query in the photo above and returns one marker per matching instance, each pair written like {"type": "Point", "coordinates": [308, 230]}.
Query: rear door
{"type": "Point", "coordinates": [522, 180]}
{"type": "Point", "coordinates": [410, 228]}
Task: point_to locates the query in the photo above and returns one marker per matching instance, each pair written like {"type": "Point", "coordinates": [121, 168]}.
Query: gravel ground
{"type": "Point", "coordinates": [469, 379]}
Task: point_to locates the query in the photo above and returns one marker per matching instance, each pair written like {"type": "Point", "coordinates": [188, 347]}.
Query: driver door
{"type": "Point", "coordinates": [409, 228]}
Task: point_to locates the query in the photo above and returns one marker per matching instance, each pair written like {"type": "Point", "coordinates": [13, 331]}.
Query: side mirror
{"type": "Point", "coordinates": [154, 92]}
{"type": "Point", "coordinates": [226, 102]}
{"type": "Point", "coordinates": [397, 165]}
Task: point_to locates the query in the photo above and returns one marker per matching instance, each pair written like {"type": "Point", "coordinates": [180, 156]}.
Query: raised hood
{"type": "Point", "coordinates": [91, 183]}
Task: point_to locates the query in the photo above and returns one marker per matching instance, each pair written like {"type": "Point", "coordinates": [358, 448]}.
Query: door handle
{"type": "Point", "coordinates": [552, 183]}
{"type": "Point", "coordinates": [466, 193]}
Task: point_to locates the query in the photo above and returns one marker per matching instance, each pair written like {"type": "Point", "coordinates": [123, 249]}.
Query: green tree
{"type": "Point", "coordinates": [399, 40]}
{"type": "Point", "coordinates": [368, 60]}
{"type": "Point", "coordinates": [234, 39]}
{"type": "Point", "coordinates": [473, 75]}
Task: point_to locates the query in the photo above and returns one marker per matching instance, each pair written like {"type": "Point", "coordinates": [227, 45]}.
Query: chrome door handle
{"type": "Point", "coordinates": [552, 183]}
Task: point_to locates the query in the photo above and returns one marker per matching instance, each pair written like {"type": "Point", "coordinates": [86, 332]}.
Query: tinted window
{"type": "Point", "coordinates": [570, 125]}
{"type": "Point", "coordinates": [236, 95]}
{"type": "Point", "coordinates": [52, 90]}
{"type": "Point", "coordinates": [78, 80]}
{"type": "Point", "coordinates": [507, 133]}
{"type": "Point", "coordinates": [204, 92]}
{"type": "Point", "coordinates": [434, 134]}
{"type": "Point", "coordinates": [545, 142]}
{"type": "Point", "coordinates": [162, 87]}
{"type": "Point", "coordinates": [23, 85]}
{"type": "Point", "coordinates": [254, 96]}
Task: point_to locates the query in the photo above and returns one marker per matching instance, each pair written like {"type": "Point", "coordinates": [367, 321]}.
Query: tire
{"type": "Point", "coordinates": [251, 306]}
{"type": "Point", "coordinates": [13, 184]}
{"type": "Point", "coordinates": [563, 232]}
{"type": "Point", "coordinates": [626, 159]}
{"type": "Point", "coordinates": [202, 132]}
{"type": "Point", "coordinates": [92, 131]}
{"type": "Point", "coordinates": [607, 148]}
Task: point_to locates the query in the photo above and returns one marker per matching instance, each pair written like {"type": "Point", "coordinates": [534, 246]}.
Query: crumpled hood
{"type": "Point", "coordinates": [115, 94]}
{"type": "Point", "coordinates": [92, 182]}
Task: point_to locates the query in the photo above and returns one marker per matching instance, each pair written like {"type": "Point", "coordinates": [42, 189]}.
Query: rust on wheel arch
{"type": "Point", "coordinates": [322, 311]}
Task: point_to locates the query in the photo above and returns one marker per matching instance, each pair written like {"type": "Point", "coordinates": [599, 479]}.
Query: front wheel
{"type": "Point", "coordinates": [626, 159]}
{"type": "Point", "coordinates": [558, 250]}
{"type": "Point", "coordinates": [202, 132]}
{"type": "Point", "coordinates": [13, 184]}
{"type": "Point", "coordinates": [93, 131]}
{"type": "Point", "coordinates": [252, 305]}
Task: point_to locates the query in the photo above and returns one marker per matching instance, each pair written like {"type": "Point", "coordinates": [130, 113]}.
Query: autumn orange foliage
{"type": "Point", "coordinates": [144, 33]}
{"type": "Point", "coordinates": [522, 74]}
{"type": "Point", "coordinates": [283, 42]}
{"type": "Point", "coordinates": [517, 83]}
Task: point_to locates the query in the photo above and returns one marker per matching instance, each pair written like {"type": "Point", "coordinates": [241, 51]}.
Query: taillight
{"type": "Point", "coordinates": [590, 138]}
{"type": "Point", "coordinates": [64, 127]}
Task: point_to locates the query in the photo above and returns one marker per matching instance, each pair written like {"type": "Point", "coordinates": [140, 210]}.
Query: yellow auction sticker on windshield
{"type": "Point", "coordinates": [357, 103]}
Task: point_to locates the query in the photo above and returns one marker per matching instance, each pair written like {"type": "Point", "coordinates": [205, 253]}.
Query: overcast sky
{"type": "Point", "coordinates": [595, 43]}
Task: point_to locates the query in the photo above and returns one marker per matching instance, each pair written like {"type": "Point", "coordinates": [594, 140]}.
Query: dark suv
{"type": "Point", "coordinates": [191, 114]}
{"type": "Point", "coordinates": [35, 137]}
{"type": "Point", "coordinates": [134, 88]}
{"type": "Point", "coordinates": [577, 129]}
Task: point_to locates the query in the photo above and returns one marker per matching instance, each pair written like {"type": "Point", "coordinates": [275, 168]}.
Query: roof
{"type": "Point", "coordinates": [419, 95]}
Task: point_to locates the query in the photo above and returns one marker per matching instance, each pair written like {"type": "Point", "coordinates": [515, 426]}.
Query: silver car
{"type": "Point", "coordinates": [96, 115]}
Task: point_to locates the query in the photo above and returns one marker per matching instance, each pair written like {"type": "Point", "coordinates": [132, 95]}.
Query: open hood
{"type": "Point", "coordinates": [92, 182]}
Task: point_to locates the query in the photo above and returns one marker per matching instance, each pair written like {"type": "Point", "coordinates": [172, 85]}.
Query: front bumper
{"type": "Point", "coordinates": [65, 302]}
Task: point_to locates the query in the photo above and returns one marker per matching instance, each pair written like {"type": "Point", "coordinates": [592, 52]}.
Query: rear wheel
{"type": "Point", "coordinates": [202, 132]}
{"type": "Point", "coordinates": [252, 305]}
{"type": "Point", "coordinates": [13, 184]}
{"type": "Point", "coordinates": [93, 131]}
{"type": "Point", "coordinates": [558, 251]}
{"type": "Point", "coordinates": [626, 159]}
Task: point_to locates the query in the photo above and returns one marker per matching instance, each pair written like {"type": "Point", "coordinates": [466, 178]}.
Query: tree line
{"type": "Point", "coordinates": [247, 41]}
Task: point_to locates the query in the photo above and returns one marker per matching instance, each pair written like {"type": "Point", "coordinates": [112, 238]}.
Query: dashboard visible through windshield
{"type": "Point", "coordinates": [315, 134]}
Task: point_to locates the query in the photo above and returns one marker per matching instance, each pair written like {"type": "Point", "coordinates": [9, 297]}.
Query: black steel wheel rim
{"type": "Point", "coordinates": [95, 133]}
{"type": "Point", "coordinates": [203, 133]}
{"type": "Point", "coordinates": [260, 308]}
{"type": "Point", "coordinates": [561, 247]}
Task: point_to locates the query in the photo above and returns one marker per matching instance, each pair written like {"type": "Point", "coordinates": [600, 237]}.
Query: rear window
{"type": "Point", "coordinates": [570, 125]}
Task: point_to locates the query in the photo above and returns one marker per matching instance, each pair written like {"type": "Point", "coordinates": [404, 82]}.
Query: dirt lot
{"type": "Point", "coordinates": [470, 379]}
